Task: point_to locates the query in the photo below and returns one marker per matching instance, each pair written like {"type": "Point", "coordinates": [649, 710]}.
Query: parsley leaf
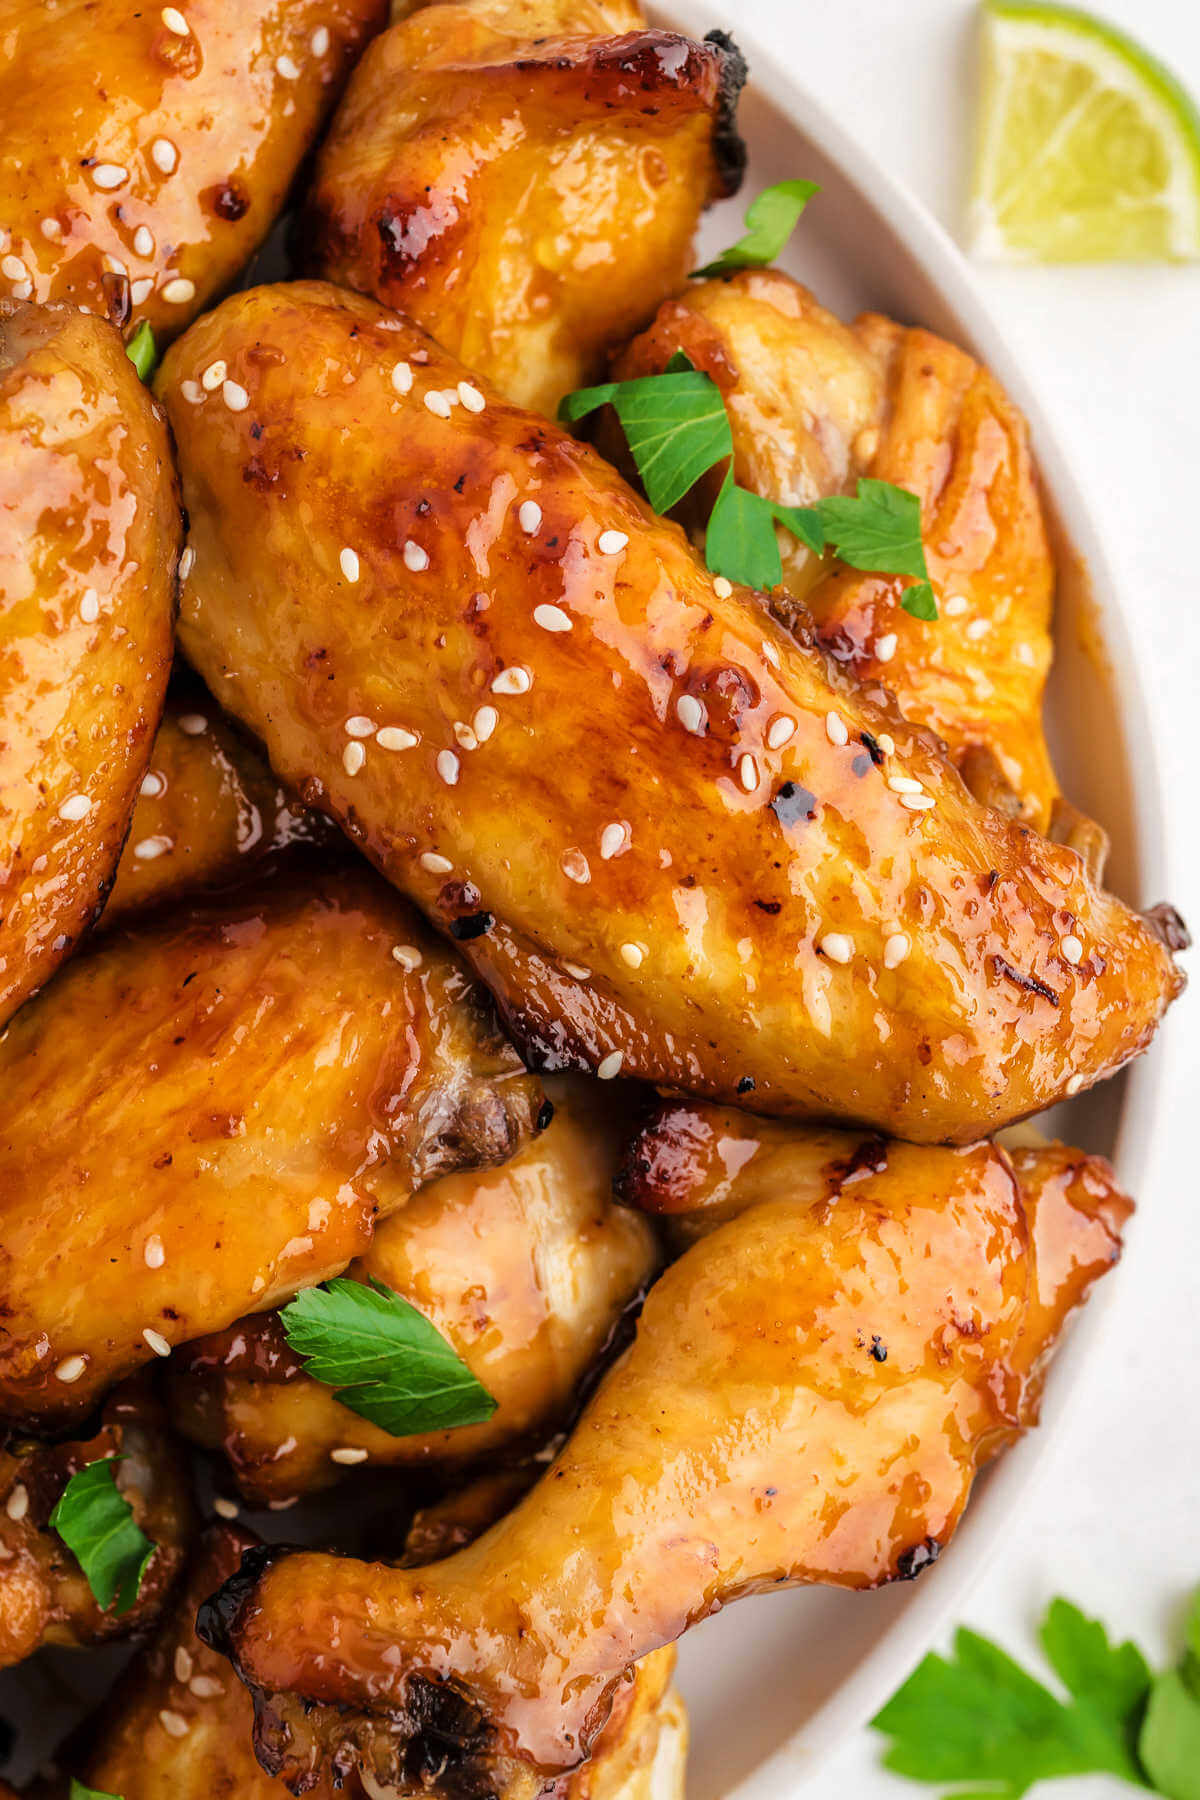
{"type": "Point", "coordinates": [1169, 1745]}
{"type": "Point", "coordinates": [96, 1522]}
{"type": "Point", "coordinates": [383, 1358]}
{"type": "Point", "coordinates": [142, 350]}
{"type": "Point", "coordinates": [771, 218]}
{"type": "Point", "coordinates": [80, 1792]}
{"type": "Point", "coordinates": [676, 426]}
{"type": "Point", "coordinates": [878, 531]}
{"type": "Point", "coordinates": [741, 543]}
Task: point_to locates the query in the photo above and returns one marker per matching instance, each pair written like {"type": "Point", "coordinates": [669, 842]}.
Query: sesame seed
{"type": "Point", "coordinates": [394, 737]}
{"type": "Point", "coordinates": [722, 588]}
{"type": "Point", "coordinates": [75, 806]}
{"type": "Point", "coordinates": [148, 849]}
{"type": "Point", "coordinates": [225, 1509]}
{"type": "Point", "coordinates": [178, 293]}
{"type": "Point", "coordinates": [185, 563]}
{"type": "Point", "coordinates": [402, 378]}
{"type": "Point", "coordinates": [173, 1723]}
{"type": "Point", "coordinates": [157, 1342]}
{"type": "Point", "coordinates": [408, 956]}
{"type": "Point", "coordinates": [918, 802]}
{"type": "Point", "coordinates": [152, 786]}
{"type": "Point", "coordinates": [577, 970]}
{"type": "Point", "coordinates": [633, 954]}
{"type": "Point", "coordinates": [771, 653]}
{"type": "Point", "coordinates": [896, 949]}
{"type": "Point", "coordinates": [886, 743]}
{"type": "Point", "coordinates": [437, 404]}
{"type": "Point", "coordinates": [954, 606]}
{"type": "Point", "coordinates": [14, 268]}
{"type": "Point", "coordinates": [978, 628]}
{"type": "Point", "coordinates": [22, 290]}
{"type": "Point", "coordinates": [904, 784]}
{"type": "Point", "coordinates": [143, 241]}
{"type": "Point", "coordinates": [748, 773]}
{"type": "Point", "coordinates": [1024, 654]}
{"type": "Point", "coordinates": [174, 21]}
{"type": "Point", "coordinates": [183, 1663]}
{"type": "Point", "coordinates": [318, 43]}
{"type": "Point", "coordinates": [235, 396]}
{"type": "Point", "coordinates": [353, 757]}
{"type": "Point", "coordinates": [779, 731]}
{"type": "Point", "coordinates": [164, 155]}
{"type": "Point", "coordinates": [348, 562]}
{"type": "Point", "coordinates": [17, 1504]}
{"type": "Point", "coordinates": [194, 724]}
{"type": "Point", "coordinates": [348, 1454]}
{"type": "Point", "coordinates": [283, 1505]}
{"type": "Point", "coordinates": [359, 726]}
{"type": "Point", "coordinates": [575, 867]}
{"type": "Point", "coordinates": [690, 713]}
{"type": "Point", "coordinates": [610, 1065]}
{"type": "Point", "coordinates": [114, 266]}
{"type": "Point", "coordinates": [51, 229]}
{"type": "Point", "coordinates": [206, 1687]}
{"type": "Point", "coordinates": [154, 1253]}
{"type": "Point", "coordinates": [109, 175]}
{"type": "Point", "coordinates": [71, 1368]}
{"type": "Point", "coordinates": [551, 618]}
{"type": "Point", "coordinates": [485, 722]}
{"type": "Point", "coordinates": [471, 397]}
{"type": "Point", "coordinates": [1075, 1083]}
{"type": "Point", "coordinates": [1072, 949]}
{"type": "Point", "coordinates": [5, 238]}
{"type": "Point", "coordinates": [141, 290]}
{"type": "Point", "coordinates": [287, 68]}
{"type": "Point", "coordinates": [612, 841]}
{"type": "Point", "coordinates": [513, 681]}
{"type": "Point", "coordinates": [835, 729]}
{"type": "Point", "coordinates": [837, 947]}
{"type": "Point", "coordinates": [465, 734]}
{"type": "Point", "coordinates": [448, 766]}
{"type": "Point", "coordinates": [415, 558]}
{"type": "Point", "coordinates": [89, 606]}
{"type": "Point", "coordinates": [213, 376]}
{"type": "Point", "coordinates": [529, 516]}
{"type": "Point", "coordinates": [436, 865]}
{"type": "Point", "coordinates": [885, 647]}
{"type": "Point", "coordinates": [611, 543]}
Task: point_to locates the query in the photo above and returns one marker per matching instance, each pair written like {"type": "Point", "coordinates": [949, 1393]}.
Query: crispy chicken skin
{"type": "Point", "coordinates": [44, 1594]}
{"type": "Point", "coordinates": [811, 1390]}
{"type": "Point", "coordinates": [89, 539]}
{"type": "Point", "coordinates": [599, 803]}
{"type": "Point", "coordinates": [526, 1269]}
{"type": "Point", "coordinates": [814, 405]}
{"type": "Point", "coordinates": [143, 167]}
{"type": "Point", "coordinates": [523, 182]}
{"type": "Point", "coordinates": [263, 1078]}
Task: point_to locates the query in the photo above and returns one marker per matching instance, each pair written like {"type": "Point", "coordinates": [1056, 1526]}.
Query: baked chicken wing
{"type": "Point", "coordinates": [814, 405]}
{"type": "Point", "coordinates": [811, 1391]}
{"type": "Point", "coordinates": [524, 178]}
{"type": "Point", "coordinates": [148, 150]}
{"type": "Point", "coordinates": [526, 1269]}
{"type": "Point", "coordinates": [233, 1094]}
{"type": "Point", "coordinates": [675, 840]}
{"type": "Point", "coordinates": [89, 538]}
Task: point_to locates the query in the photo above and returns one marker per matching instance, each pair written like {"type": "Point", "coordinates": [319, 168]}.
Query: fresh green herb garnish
{"type": "Point", "coordinates": [80, 1792]}
{"type": "Point", "coordinates": [675, 424]}
{"type": "Point", "coordinates": [978, 1717]}
{"type": "Point", "coordinates": [96, 1522]}
{"type": "Point", "coordinates": [384, 1360]}
{"type": "Point", "coordinates": [771, 219]}
{"type": "Point", "coordinates": [740, 542]}
{"type": "Point", "coordinates": [880, 531]}
{"type": "Point", "coordinates": [142, 350]}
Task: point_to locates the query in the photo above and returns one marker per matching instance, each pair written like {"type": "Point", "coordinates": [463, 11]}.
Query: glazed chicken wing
{"type": "Point", "coordinates": [524, 183]}
{"type": "Point", "coordinates": [675, 840]}
{"type": "Point", "coordinates": [525, 1269]}
{"type": "Point", "coordinates": [814, 405]}
{"type": "Point", "coordinates": [89, 537]}
{"type": "Point", "coordinates": [44, 1594]}
{"type": "Point", "coordinates": [233, 1094]}
{"type": "Point", "coordinates": [811, 1391]}
{"type": "Point", "coordinates": [148, 150]}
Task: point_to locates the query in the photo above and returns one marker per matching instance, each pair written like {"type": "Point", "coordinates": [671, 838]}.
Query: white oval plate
{"type": "Point", "coordinates": [775, 1683]}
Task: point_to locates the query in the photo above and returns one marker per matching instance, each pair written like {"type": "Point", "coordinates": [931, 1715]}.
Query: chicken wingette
{"type": "Point", "coordinates": [234, 1092]}
{"type": "Point", "coordinates": [90, 532]}
{"type": "Point", "coordinates": [812, 1389]}
{"type": "Point", "coordinates": [675, 840]}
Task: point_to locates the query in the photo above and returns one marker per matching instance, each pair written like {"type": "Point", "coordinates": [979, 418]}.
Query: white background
{"type": "Point", "coordinates": [1113, 1520]}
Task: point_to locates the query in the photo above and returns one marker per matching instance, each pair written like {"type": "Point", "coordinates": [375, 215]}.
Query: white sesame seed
{"type": "Point", "coordinates": [174, 21]}
{"type": "Point", "coordinates": [193, 724]}
{"type": "Point", "coordinates": [904, 784]}
{"type": "Point", "coordinates": [1072, 949]}
{"type": "Point", "coordinates": [837, 946]}
{"type": "Point", "coordinates": [225, 1509]}
{"type": "Point", "coordinates": [173, 1723]}
{"type": "Point", "coordinates": [22, 290]}
{"type": "Point", "coordinates": [978, 628]}
{"type": "Point", "coordinates": [148, 849]}
{"type": "Point", "coordinates": [633, 954]}
{"type": "Point", "coordinates": [153, 784]}
{"type": "Point", "coordinates": [722, 588]}
{"type": "Point", "coordinates": [287, 68]}
{"type": "Point", "coordinates": [318, 43]}
{"type": "Point", "coordinates": [611, 543]}
{"type": "Point", "coordinates": [157, 1342]}
{"type": "Point", "coordinates": [235, 396]}
{"type": "Point", "coordinates": [551, 618]}
{"type": "Point", "coordinates": [164, 155]}
{"type": "Point", "coordinates": [779, 731]}
{"type": "Point", "coordinates": [1024, 654]}
{"type": "Point", "coordinates": [748, 773]}
{"type": "Point", "coordinates": [689, 712]}
{"type": "Point", "coordinates": [143, 241]}
{"type": "Point", "coordinates": [402, 378]}
{"type": "Point", "coordinates": [577, 970]}
{"type": "Point", "coordinates": [886, 743]}
{"type": "Point", "coordinates": [885, 647]}
{"type": "Point", "coordinates": [835, 729]}
{"type": "Point", "coordinates": [109, 175]}
{"type": "Point", "coordinates": [71, 1368]}
{"type": "Point", "coordinates": [515, 680]}
{"type": "Point", "coordinates": [394, 737]}
{"type": "Point", "coordinates": [178, 293]}
{"type": "Point", "coordinates": [408, 956]}
{"type": "Point", "coordinates": [448, 765]}
{"type": "Point", "coordinates": [612, 841]}
{"type": "Point", "coordinates": [283, 1505]}
{"type": "Point", "coordinates": [529, 516]}
{"type": "Point", "coordinates": [14, 268]}
{"type": "Point", "coordinates": [114, 266]}
{"type": "Point", "coordinates": [348, 563]}
{"type": "Point", "coordinates": [154, 1253]}
{"type": "Point", "coordinates": [471, 397]}
{"type": "Point", "coordinates": [437, 404]}
{"type": "Point", "coordinates": [75, 806]}
{"type": "Point", "coordinates": [141, 290]}
{"type": "Point", "coordinates": [5, 238]}
{"type": "Point", "coordinates": [954, 606]}
{"type": "Point", "coordinates": [415, 558]}
{"type": "Point", "coordinates": [896, 949]}
{"type": "Point", "coordinates": [213, 376]}
{"type": "Point", "coordinates": [348, 1454]}
{"type": "Point", "coordinates": [185, 563]}
{"type": "Point", "coordinates": [1074, 1083]}
{"type": "Point", "coordinates": [353, 757]}
{"type": "Point", "coordinates": [17, 1504]}
{"type": "Point", "coordinates": [206, 1687]}
{"type": "Point", "coordinates": [485, 722]}
{"type": "Point", "coordinates": [183, 1663]}
{"type": "Point", "coordinates": [918, 802]}
{"type": "Point", "coordinates": [359, 726]}
{"type": "Point", "coordinates": [89, 606]}
{"type": "Point", "coordinates": [436, 865]}
{"type": "Point", "coordinates": [465, 735]}
{"type": "Point", "coordinates": [575, 866]}
{"type": "Point", "coordinates": [610, 1065]}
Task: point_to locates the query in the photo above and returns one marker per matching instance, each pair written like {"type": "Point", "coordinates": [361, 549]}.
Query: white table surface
{"type": "Point", "coordinates": [1113, 1519]}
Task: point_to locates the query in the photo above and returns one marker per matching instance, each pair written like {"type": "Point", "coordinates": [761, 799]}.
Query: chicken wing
{"type": "Point", "coordinates": [814, 405]}
{"type": "Point", "coordinates": [526, 1269]}
{"type": "Point", "coordinates": [89, 539]}
{"type": "Point", "coordinates": [524, 183]}
{"type": "Point", "coordinates": [234, 1094]}
{"type": "Point", "coordinates": [675, 840]}
{"type": "Point", "coordinates": [148, 151]}
{"type": "Point", "coordinates": [811, 1391]}
{"type": "Point", "coordinates": [44, 1594]}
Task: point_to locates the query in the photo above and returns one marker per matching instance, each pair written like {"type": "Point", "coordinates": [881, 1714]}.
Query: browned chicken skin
{"type": "Point", "coordinates": [814, 405]}
{"type": "Point", "coordinates": [811, 1391]}
{"type": "Point", "coordinates": [89, 537]}
{"type": "Point", "coordinates": [144, 165]}
{"type": "Point", "coordinates": [44, 1594]}
{"type": "Point", "coordinates": [523, 183]}
{"type": "Point", "coordinates": [525, 1269]}
{"type": "Point", "coordinates": [263, 1077]}
{"type": "Point", "coordinates": [572, 755]}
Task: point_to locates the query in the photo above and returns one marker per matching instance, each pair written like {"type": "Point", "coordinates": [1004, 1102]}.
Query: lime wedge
{"type": "Point", "coordinates": [1089, 150]}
